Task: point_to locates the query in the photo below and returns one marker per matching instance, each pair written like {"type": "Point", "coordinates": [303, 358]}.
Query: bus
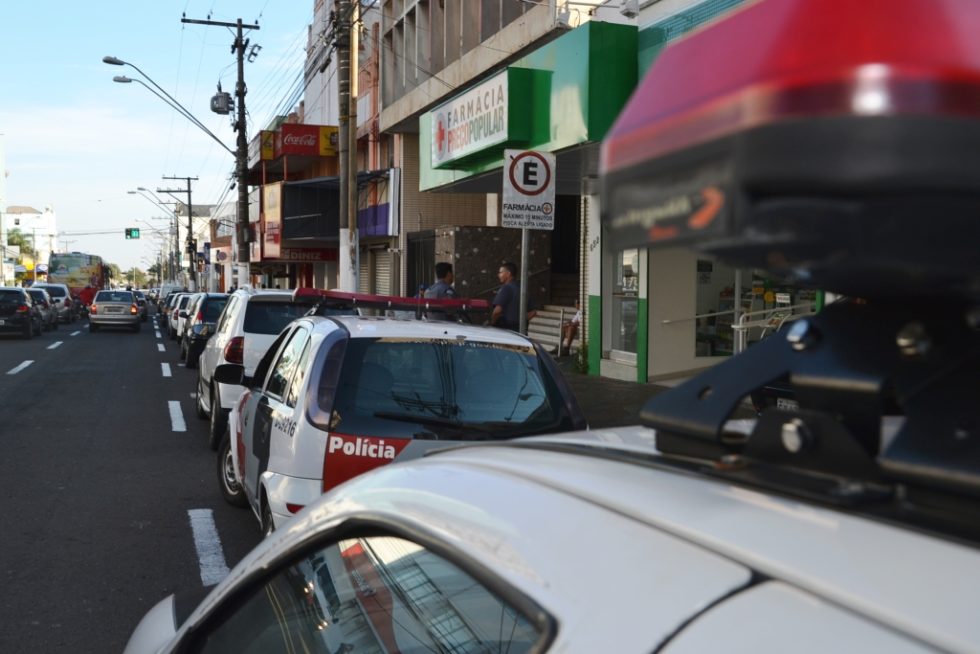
{"type": "Point", "coordinates": [77, 270]}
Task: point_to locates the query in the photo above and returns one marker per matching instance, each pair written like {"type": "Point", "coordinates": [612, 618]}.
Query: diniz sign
{"type": "Point", "coordinates": [471, 122]}
{"type": "Point", "coordinates": [308, 254]}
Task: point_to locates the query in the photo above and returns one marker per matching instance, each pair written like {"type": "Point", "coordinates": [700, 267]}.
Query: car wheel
{"type": "Point", "coordinates": [28, 331]}
{"type": "Point", "coordinates": [219, 420]}
{"type": "Point", "coordinates": [268, 526]}
{"type": "Point", "coordinates": [231, 490]}
{"type": "Point", "coordinates": [92, 327]}
{"type": "Point", "coordinates": [54, 325]}
{"type": "Point", "coordinates": [190, 360]}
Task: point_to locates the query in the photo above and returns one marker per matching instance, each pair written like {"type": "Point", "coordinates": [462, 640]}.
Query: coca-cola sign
{"type": "Point", "coordinates": [295, 139]}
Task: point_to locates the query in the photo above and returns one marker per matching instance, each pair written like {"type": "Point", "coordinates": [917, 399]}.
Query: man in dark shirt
{"type": "Point", "coordinates": [507, 303]}
{"type": "Point", "coordinates": [442, 289]}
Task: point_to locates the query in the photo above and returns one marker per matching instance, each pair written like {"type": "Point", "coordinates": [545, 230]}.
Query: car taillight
{"type": "Point", "coordinates": [199, 317]}
{"type": "Point", "coordinates": [235, 350]}
{"type": "Point", "coordinates": [134, 309]}
{"type": "Point", "coordinates": [94, 309]}
{"type": "Point", "coordinates": [23, 308]}
{"type": "Point", "coordinates": [294, 508]}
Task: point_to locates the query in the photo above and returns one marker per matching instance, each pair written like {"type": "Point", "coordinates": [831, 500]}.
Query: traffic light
{"type": "Point", "coordinates": [132, 232]}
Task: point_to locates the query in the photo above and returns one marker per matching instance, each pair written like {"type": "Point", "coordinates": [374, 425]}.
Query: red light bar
{"type": "Point", "coordinates": [784, 59]}
{"type": "Point", "coordinates": [347, 298]}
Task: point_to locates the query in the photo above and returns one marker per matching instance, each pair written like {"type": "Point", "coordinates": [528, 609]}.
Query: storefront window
{"type": "Point", "coordinates": [737, 308]}
{"type": "Point", "coordinates": [626, 290]}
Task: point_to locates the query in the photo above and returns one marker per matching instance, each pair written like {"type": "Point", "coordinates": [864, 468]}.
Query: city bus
{"type": "Point", "coordinates": [77, 270]}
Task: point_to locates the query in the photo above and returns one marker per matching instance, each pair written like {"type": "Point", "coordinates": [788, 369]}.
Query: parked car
{"type": "Point", "coordinates": [178, 304]}
{"type": "Point", "coordinates": [18, 313]}
{"type": "Point", "coordinates": [249, 324]}
{"type": "Point", "coordinates": [200, 326]}
{"type": "Point", "coordinates": [62, 299]}
{"type": "Point", "coordinates": [114, 309]}
{"type": "Point", "coordinates": [46, 306]}
{"type": "Point", "coordinates": [184, 314]}
{"type": "Point", "coordinates": [334, 397]}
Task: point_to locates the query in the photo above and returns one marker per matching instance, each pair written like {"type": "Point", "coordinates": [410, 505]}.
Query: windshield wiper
{"type": "Point", "coordinates": [450, 424]}
{"type": "Point", "coordinates": [438, 408]}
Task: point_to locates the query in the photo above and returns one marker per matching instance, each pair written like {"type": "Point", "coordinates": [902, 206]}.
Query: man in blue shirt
{"type": "Point", "coordinates": [507, 302]}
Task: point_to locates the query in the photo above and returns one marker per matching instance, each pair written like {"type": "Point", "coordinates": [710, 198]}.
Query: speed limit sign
{"type": "Point", "coordinates": [529, 190]}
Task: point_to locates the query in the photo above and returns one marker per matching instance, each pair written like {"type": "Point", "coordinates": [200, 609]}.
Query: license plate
{"type": "Point", "coordinates": [786, 404]}
{"type": "Point", "coordinates": [113, 310]}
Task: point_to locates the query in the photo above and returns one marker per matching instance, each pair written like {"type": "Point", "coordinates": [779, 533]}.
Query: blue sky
{"type": "Point", "coordinates": [77, 141]}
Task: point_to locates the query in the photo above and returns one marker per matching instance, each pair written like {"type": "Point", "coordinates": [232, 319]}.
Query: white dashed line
{"type": "Point", "coordinates": [210, 556]}
{"type": "Point", "coordinates": [161, 348]}
{"type": "Point", "coordinates": [194, 395]}
{"type": "Point", "coordinates": [157, 334]}
{"type": "Point", "coordinates": [75, 333]}
{"type": "Point", "coordinates": [165, 367]}
{"type": "Point", "coordinates": [14, 371]}
{"type": "Point", "coordinates": [55, 344]}
{"type": "Point", "coordinates": [176, 416]}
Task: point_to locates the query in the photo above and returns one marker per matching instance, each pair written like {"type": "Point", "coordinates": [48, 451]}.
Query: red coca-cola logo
{"type": "Point", "coordinates": [299, 139]}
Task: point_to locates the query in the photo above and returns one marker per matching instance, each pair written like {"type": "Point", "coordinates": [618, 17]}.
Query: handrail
{"type": "Point", "coordinates": [788, 307]}
{"type": "Point", "coordinates": [701, 315]}
{"type": "Point", "coordinates": [740, 330]}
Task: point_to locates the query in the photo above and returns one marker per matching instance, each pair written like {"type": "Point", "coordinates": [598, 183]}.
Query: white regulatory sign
{"type": "Point", "coordinates": [529, 190]}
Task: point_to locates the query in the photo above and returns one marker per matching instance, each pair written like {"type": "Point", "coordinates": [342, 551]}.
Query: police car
{"type": "Point", "coordinates": [337, 396]}
{"type": "Point", "coordinates": [839, 147]}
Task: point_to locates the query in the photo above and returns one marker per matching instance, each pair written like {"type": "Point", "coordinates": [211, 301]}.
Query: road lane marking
{"type": "Point", "coordinates": [176, 416]}
{"type": "Point", "coordinates": [210, 557]}
{"type": "Point", "coordinates": [157, 334]}
{"type": "Point", "coordinates": [75, 333]}
{"type": "Point", "coordinates": [194, 395]}
{"type": "Point", "coordinates": [165, 367]}
{"type": "Point", "coordinates": [14, 371]}
{"type": "Point", "coordinates": [161, 348]}
{"type": "Point", "coordinates": [55, 344]}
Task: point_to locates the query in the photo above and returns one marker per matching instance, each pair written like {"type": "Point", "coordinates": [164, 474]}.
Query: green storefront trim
{"type": "Point", "coordinates": [642, 339]}
{"type": "Point", "coordinates": [595, 334]}
{"type": "Point", "coordinates": [580, 83]}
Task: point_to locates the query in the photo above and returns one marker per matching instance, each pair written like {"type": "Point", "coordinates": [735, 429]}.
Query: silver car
{"type": "Point", "coordinates": [114, 309]}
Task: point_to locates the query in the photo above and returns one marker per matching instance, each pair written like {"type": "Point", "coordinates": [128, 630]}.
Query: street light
{"type": "Point", "coordinates": [158, 91]}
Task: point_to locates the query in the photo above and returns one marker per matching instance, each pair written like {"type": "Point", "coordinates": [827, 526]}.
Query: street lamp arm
{"type": "Point", "coordinates": [166, 97]}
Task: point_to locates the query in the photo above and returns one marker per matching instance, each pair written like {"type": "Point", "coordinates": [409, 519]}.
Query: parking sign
{"type": "Point", "coordinates": [529, 190]}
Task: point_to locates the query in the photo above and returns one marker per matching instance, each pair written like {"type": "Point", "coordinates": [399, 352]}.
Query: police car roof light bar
{"type": "Point", "coordinates": [393, 302]}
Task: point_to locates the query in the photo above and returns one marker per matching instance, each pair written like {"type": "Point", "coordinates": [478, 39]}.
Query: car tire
{"type": "Point", "coordinates": [190, 360]}
{"type": "Point", "coordinates": [231, 490]}
{"type": "Point", "coordinates": [219, 420]}
{"type": "Point", "coordinates": [92, 327]}
{"type": "Point", "coordinates": [54, 325]}
{"type": "Point", "coordinates": [29, 332]}
{"type": "Point", "coordinates": [268, 524]}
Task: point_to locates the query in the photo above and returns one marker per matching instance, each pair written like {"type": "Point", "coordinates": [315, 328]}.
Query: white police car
{"type": "Point", "coordinates": [336, 396]}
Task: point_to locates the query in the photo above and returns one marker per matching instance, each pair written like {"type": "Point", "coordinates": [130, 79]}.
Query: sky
{"type": "Point", "coordinates": [77, 141]}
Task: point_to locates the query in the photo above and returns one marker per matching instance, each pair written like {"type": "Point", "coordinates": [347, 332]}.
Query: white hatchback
{"type": "Point", "coordinates": [246, 328]}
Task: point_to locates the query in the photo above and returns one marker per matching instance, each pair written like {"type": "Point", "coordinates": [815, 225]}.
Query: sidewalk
{"type": "Point", "coordinates": [608, 402]}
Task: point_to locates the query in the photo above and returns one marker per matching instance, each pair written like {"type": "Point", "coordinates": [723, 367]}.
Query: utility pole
{"type": "Point", "coordinates": [348, 234]}
{"type": "Point", "coordinates": [191, 241]}
{"type": "Point", "coordinates": [241, 150]}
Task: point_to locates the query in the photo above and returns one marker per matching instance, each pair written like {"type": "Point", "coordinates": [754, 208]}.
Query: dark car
{"type": "Point", "coordinates": [142, 304]}
{"type": "Point", "coordinates": [46, 306]}
{"type": "Point", "coordinates": [18, 313]}
{"type": "Point", "coordinates": [200, 326]}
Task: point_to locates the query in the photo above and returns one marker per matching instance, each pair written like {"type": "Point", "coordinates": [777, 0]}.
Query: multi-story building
{"type": "Point", "coordinates": [40, 228]}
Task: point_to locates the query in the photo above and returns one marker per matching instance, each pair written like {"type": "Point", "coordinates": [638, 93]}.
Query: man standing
{"type": "Point", "coordinates": [443, 288]}
{"type": "Point", "coordinates": [507, 302]}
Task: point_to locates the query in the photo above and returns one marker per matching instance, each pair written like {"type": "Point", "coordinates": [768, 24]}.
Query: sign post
{"type": "Point", "coordinates": [528, 203]}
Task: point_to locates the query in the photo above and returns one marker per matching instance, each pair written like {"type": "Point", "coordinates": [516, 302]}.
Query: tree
{"type": "Point", "coordinates": [19, 239]}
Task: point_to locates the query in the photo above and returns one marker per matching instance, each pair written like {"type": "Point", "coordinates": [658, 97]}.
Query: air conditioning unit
{"type": "Point", "coordinates": [629, 8]}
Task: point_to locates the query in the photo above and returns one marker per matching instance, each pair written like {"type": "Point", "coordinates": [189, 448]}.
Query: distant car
{"type": "Point", "coordinates": [18, 313]}
{"type": "Point", "coordinates": [142, 303]}
{"type": "Point", "coordinates": [248, 325]}
{"type": "Point", "coordinates": [44, 303]}
{"type": "Point", "coordinates": [114, 309]}
{"type": "Point", "coordinates": [335, 397]}
{"type": "Point", "coordinates": [184, 314]}
{"type": "Point", "coordinates": [200, 326]}
{"type": "Point", "coordinates": [62, 299]}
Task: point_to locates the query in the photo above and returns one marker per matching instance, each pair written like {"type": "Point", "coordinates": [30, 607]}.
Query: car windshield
{"type": "Point", "coordinates": [270, 317]}
{"type": "Point", "coordinates": [11, 297]}
{"type": "Point", "coordinates": [445, 389]}
{"type": "Point", "coordinates": [55, 291]}
{"type": "Point", "coordinates": [114, 296]}
{"type": "Point", "coordinates": [37, 295]}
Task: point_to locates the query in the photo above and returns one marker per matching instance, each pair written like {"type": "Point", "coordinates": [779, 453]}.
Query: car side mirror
{"type": "Point", "coordinates": [182, 314]}
{"type": "Point", "coordinates": [231, 373]}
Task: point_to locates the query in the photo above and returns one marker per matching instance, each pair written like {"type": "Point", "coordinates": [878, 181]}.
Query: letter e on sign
{"type": "Point", "coordinates": [528, 190]}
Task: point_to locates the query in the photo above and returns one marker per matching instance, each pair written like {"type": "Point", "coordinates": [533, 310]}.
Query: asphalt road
{"type": "Point", "coordinates": [98, 488]}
